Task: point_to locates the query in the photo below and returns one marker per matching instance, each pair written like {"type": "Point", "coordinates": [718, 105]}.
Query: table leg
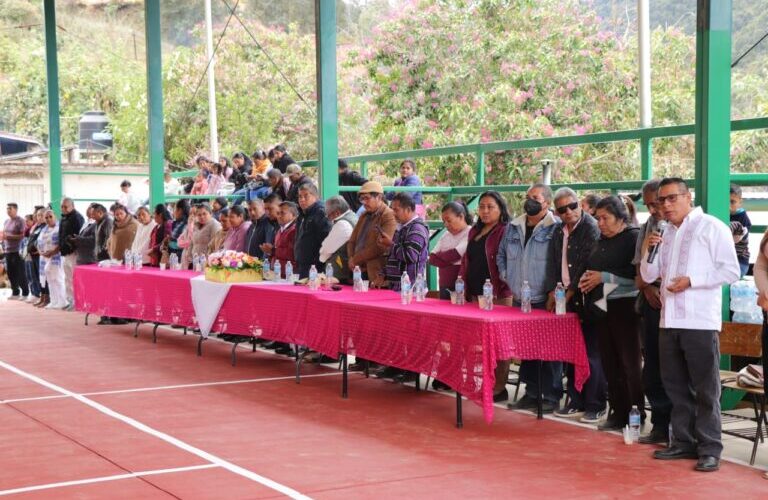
{"type": "Point", "coordinates": [200, 345]}
{"type": "Point", "coordinates": [154, 333]}
{"type": "Point", "coordinates": [299, 361]}
{"type": "Point", "coordinates": [185, 330]}
{"type": "Point", "coordinates": [344, 373]}
{"type": "Point", "coordinates": [86, 318]}
{"type": "Point", "coordinates": [539, 396]}
{"type": "Point", "coordinates": [459, 412]}
{"type": "Point", "coordinates": [234, 354]}
{"type": "Point", "coordinates": [136, 329]}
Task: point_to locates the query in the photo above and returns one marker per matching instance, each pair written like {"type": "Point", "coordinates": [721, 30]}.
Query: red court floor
{"type": "Point", "coordinates": [92, 412]}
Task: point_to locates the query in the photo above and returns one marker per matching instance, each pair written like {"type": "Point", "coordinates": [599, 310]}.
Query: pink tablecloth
{"type": "Point", "coordinates": [459, 345]}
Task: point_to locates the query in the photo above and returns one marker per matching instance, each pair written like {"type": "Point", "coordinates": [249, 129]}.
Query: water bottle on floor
{"type": "Point", "coordinates": [405, 289]}
{"type": "Point", "coordinates": [634, 423]}
{"type": "Point", "coordinates": [488, 295]}
{"type": "Point", "coordinates": [278, 271]}
{"type": "Point", "coordinates": [560, 299]}
{"type": "Point", "coordinates": [459, 290]}
{"type": "Point", "coordinates": [289, 271]}
{"type": "Point", "coordinates": [357, 279]}
{"type": "Point", "coordinates": [525, 297]}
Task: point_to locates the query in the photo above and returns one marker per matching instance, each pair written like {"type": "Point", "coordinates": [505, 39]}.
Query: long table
{"type": "Point", "coordinates": [458, 345]}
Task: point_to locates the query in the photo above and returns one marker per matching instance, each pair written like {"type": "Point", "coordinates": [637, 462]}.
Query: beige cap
{"type": "Point", "coordinates": [371, 187]}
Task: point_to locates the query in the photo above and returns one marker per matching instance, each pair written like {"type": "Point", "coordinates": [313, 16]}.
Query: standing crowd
{"type": "Point", "coordinates": [649, 301]}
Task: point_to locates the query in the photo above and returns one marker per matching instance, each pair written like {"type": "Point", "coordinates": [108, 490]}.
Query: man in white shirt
{"type": "Point", "coordinates": [127, 199]}
{"type": "Point", "coordinates": [695, 258]}
{"type": "Point", "coordinates": [334, 246]}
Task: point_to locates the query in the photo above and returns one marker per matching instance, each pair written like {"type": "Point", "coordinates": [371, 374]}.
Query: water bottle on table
{"type": "Point", "coordinates": [289, 271]}
{"type": "Point", "coordinates": [357, 279]}
{"type": "Point", "coordinates": [128, 260]}
{"type": "Point", "coordinates": [420, 288]}
{"type": "Point", "coordinates": [458, 289]}
{"type": "Point", "coordinates": [525, 298]}
{"type": "Point", "coordinates": [328, 274]}
{"type": "Point", "coordinates": [405, 289]}
{"type": "Point", "coordinates": [265, 269]}
{"type": "Point", "coordinates": [173, 261]}
{"type": "Point", "coordinates": [278, 268]}
{"type": "Point", "coordinates": [634, 423]}
{"type": "Point", "coordinates": [137, 262]}
{"type": "Point", "coordinates": [488, 295]}
{"type": "Point", "coordinates": [313, 279]}
{"type": "Point", "coordinates": [560, 299]}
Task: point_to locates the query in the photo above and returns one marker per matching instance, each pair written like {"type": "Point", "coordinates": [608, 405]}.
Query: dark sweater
{"type": "Point", "coordinates": [742, 247]}
{"type": "Point", "coordinates": [312, 228]}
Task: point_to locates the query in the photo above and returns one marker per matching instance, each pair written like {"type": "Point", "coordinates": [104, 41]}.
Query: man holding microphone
{"type": "Point", "coordinates": [693, 258]}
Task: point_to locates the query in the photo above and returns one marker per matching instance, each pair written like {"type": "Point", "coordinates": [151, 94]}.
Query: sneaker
{"type": "Point", "coordinates": [569, 412]}
{"type": "Point", "coordinates": [592, 417]}
{"type": "Point", "coordinates": [32, 299]}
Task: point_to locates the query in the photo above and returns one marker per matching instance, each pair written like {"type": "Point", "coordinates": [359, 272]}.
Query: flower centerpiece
{"type": "Point", "coordinates": [228, 266]}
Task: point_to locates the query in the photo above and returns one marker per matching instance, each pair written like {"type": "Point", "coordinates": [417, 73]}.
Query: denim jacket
{"type": "Point", "coordinates": [519, 262]}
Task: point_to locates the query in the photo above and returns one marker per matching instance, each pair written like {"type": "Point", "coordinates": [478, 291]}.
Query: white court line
{"type": "Point", "coordinates": [170, 387]}
{"type": "Point", "coordinates": [103, 479]}
{"type": "Point", "coordinates": [236, 469]}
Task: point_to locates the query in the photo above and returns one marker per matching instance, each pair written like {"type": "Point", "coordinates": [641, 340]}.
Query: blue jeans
{"type": "Point", "coordinates": [261, 193]}
{"type": "Point", "coordinates": [32, 278]}
{"type": "Point", "coordinates": [240, 194]}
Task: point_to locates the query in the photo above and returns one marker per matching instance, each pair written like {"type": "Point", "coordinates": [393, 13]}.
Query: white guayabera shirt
{"type": "Point", "coordinates": [701, 249]}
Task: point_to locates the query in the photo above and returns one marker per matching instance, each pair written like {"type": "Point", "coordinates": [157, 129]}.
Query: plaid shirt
{"type": "Point", "coordinates": [409, 252]}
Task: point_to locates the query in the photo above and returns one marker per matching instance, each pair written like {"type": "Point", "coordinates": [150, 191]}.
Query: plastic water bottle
{"type": "Point", "coordinates": [289, 271]}
{"type": "Point", "coordinates": [559, 299]}
{"type": "Point", "coordinates": [278, 270]}
{"type": "Point", "coordinates": [313, 281]}
{"type": "Point", "coordinates": [459, 289]}
{"type": "Point", "coordinates": [420, 288]}
{"type": "Point", "coordinates": [137, 263]}
{"type": "Point", "coordinates": [328, 273]}
{"type": "Point", "coordinates": [405, 289]}
{"type": "Point", "coordinates": [265, 269]}
{"type": "Point", "coordinates": [128, 260]}
{"type": "Point", "coordinates": [634, 423]}
{"type": "Point", "coordinates": [173, 261]}
{"type": "Point", "coordinates": [488, 295]}
{"type": "Point", "coordinates": [357, 279]}
{"type": "Point", "coordinates": [525, 297]}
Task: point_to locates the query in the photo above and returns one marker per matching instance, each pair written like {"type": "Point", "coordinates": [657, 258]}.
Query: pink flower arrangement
{"type": "Point", "coordinates": [229, 259]}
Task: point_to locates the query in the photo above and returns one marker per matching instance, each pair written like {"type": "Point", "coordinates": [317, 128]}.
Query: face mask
{"type": "Point", "coordinates": [532, 207]}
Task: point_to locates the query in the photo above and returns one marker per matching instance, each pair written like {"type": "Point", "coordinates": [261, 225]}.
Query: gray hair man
{"type": "Point", "coordinates": [334, 246]}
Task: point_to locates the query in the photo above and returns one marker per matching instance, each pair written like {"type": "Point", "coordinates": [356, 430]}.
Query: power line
{"type": "Point", "coordinates": [738, 59]}
{"type": "Point", "coordinates": [277, 67]}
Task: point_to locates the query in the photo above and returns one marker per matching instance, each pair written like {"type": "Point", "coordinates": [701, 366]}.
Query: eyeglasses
{"type": "Point", "coordinates": [671, 198]}
{"type": "Point", "coordinates": [364, 197]}
{"type": "Point", "coordinates": [571, 206]}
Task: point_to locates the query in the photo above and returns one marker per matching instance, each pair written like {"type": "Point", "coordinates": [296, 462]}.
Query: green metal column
{"type": "Point", "coordinates": [327, 120]}
{"type": "Point", "coordinates": [480, 168]}
{"type": "Point", "coordinates": [713, 106]}
{"type": "Point", "coordinates": [54, 130]}
{"type": "Point", "coordinates": [646, 158]}
{"type": "Point", "coordinates": [155, 100]}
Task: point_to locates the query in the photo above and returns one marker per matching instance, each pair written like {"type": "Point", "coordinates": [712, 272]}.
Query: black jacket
{"type": "Point", "coordinates": [312, 227]}
{"type": "Point", "coordinates": [351, 178]}
{"type": "Point", "coordinates": [282, 163]}
{"type": "Point", "coordinates": [581, 244]}
{"type": "Point", "coordinates": [69, 225]}
{"type": "Point", "coordinates": [293, 190]}
{"type": "Point", "coordinates": [261, 231]}
{"type": "Point", "coordinates": [85, 243]}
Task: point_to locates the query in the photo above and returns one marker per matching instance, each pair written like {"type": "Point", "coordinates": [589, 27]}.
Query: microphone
{"type": "Point", "coordinates": [653, 250]}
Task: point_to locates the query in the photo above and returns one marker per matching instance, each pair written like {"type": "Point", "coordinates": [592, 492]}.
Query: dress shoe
{"type": "Point", "coordinates": [707, 463]}
{"type": "Point", "coordinates": [285, 350]}
{"type": "Point", "coordinates": [610, 425]}
{"type": "Point", "coordinates": [104, 321]}
{"type": "Point", "coordinates": [502, 396]}
{"type": "Point", "coordinates": [439, 386]}
{"type": "Point", "coordinates": [388, 372]}
{"type": "Point", "coordinates": [356, 367]}
{"type": "Point", "coordinates": [525, 403]}
{"type": "Point", "coordinates": [656, 436]}
{"type": "Point", "coordinates": [405, 376]}
{"type": "Point", "coordinates": [674, 453]}
{"type": "Point", "coordinates": [270, 345]}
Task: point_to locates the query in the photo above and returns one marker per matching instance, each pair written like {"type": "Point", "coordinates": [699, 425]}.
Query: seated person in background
{"type": "Point", "coordinates": [127, 199]}
{"type": "Point", "coordinates": [178, 226]}
{"type": "Point", "coordinates": [205, 228]}
{"type": "Point", "coordinates": [215, 181]}
{"type": "Point", "coordinates": [285, 239]}
{"type": "Point", "coordinates": [363, 248]}
{"type": "Point", "coordinates": [262, 229]}
{"type": "Point", "coordinates": [278, 184]}
{"type": "Point", "coordinates": [257, 182]}
{"type": "Point", "coordinates": [217, 242]}
{"type": "Point", "coordinates": [451, 246]}
{"type": "Point", "coordinates": [218, 205]}
{"type": "Point", "coordinates": [348, 177]}
{"type": "Point", "coordinates": [409, 246]}
{"type": "Point", "coordinates": [281, 158]}
{"type": "Point", "coordinates": [334, 246]}
{"type": "Point", "coordinates": [312, 228]}
{"type": "Point", "coordinates": [171, 186]}
{"type": "Point", "coordinates": [297, 178]}
{"type": "Point", "coordinates": [740, 226]}
{"type": "Point", "coordinates": [238, 228]}
{"type": "Point", "coordinates": [408, 177]}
